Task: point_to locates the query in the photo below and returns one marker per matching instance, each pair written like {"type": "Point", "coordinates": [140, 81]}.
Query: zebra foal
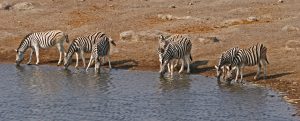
{"type": "Point", "coordinates": [81, 45]}
{"type": "Point", "coordinates": [176, 50]}
{"type": "Point", "coordinates": [255, 55]}
{"type": "Point", "coordinates": [101, 49]}
{"type": "Point", "coordinates": [41, 40]}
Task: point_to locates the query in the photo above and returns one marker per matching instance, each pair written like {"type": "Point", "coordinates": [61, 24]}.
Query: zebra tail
{"type": "Point", "coordinates": [191, 58]}
{"type": "Point", "coordinates": [113, 42]}
{"type": "Point", "coordinates": [67, 38]}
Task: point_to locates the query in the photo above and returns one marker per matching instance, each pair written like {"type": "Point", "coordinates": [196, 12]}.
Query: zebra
{"type": "Point", "coordinates": [41, 40]}
{"type": "Point", "coordinates": [176, 50]}
{"type": "Point", "coordinates": [255, 55]}
{"type": "Point", "coordinates": [101, 49]}
{"type": "Point", "coordinates": [225, 61]}
{"type": "Point", "coordinates": [163, 42]}
{"type": "Point", "coordinates": [81, 45]}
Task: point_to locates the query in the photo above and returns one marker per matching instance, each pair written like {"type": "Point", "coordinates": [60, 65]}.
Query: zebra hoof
{"type": "Point", "coordinates": [28, 63]}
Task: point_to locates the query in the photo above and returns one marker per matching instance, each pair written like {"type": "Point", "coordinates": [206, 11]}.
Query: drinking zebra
{"type": "Point", "coordinates": [163, 42]}
{"type": "Point", "coordinates": [255, 55]}
{"type": "Point", "coordinates": [80, 46]}
{"type": "Point", "coordinates": [176, 50]}
{"type": "Point", "coordinates": [101, 49]}
{"type": "Point", "coordinates": [225, 60]}
{"type": "Point", "coordinates": [41, 40]}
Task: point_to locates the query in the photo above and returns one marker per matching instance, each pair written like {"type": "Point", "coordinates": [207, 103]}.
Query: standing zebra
{"type": "Point", "coordinates": [225, 59]}
{"type": "Point", "coordinates": [41, 40]}
{"type": "Point", "coordinates": [163, 42]}
{"type": "Point", "coordinates": [176, 50]}
{"type": "Point", "coordinates": [80, 46]}
{"type": "Point", "coordinates": [255, 55]}
{"type": "Point", "coordinates": [101, 49]}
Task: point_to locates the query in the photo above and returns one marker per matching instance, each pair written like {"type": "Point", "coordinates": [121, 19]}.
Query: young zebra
{"type": "Point", "coordinates": [225, 60]}
{"type": "Point", "coordinates": [101, 49]}
{"type": "Point", "coordinates": [176, 50]}
{"type": "Point", "coordinates": [80, 46]}
{"type": "Point", "coordinates": [41, 40]}
{"type": "Point", "coordinates": [255, 55]}
{"type": "Point", "coordinates": [163, 42]}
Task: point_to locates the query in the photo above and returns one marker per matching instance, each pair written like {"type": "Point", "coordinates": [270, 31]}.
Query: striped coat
{"type": "Point", "coordinates": [80, 46]}
{"type": "Point", "coordinates": [225, 60]}
{"type": "Point", "coordinates": [255, 55]}
{"type": "Point", "coordinates": [176, 50]}
{"type": "Point", "coordinates": [41, 40]}
{"type": "Point", "coordinates": [101, 49]}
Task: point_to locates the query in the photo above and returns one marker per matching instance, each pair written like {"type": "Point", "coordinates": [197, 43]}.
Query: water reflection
{"type": "Point", "coordinates": [51, 93]}
{"type": "Point", "coordinates": [175, 82]}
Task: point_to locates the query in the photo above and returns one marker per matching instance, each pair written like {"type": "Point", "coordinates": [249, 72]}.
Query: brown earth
{"type": "Point", "coordinates": [224, 19]}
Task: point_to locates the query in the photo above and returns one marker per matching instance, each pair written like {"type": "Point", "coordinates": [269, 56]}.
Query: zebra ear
{"type": "Point", "coordinates": [161, 37]}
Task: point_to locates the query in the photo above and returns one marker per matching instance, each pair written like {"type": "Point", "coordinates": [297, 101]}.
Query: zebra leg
{"type": "Point", "coordinates": [176, 63]}
{"type": "Point", "coordinates": [182, 66]}
{"type": "Point", "coordinates": [237, 74]}
{"type": "Point", "coordinates": [37, 52]}
{"type": "Point", "coordinates": [265, 69]}
{"type": "Point", "coordinates": [83, 58]}
{"type": "Point", "coordinates": [97, 64]}
{"type": "Point", "coordinates": [171, 63]}
{"type": "Point", "coordinates": [241, 73]}
{"type": "Point", "coordinates": [169, 67]}
{"type": "Point", "coordinates": [30, 56]}
{"type": "Point", "coordinates": [108, 61]}
{"type": "Point", "coordinates": [258, 71]}
{"type": "Point", "coordinates": [187, 64]}
{"type": "Point", "coordinates": [91, 59]}
{"type": "Point", "coordinates": [61, 53]}
{"type": "Point", "coordinates": [76, 65]}
{"type": "Point", "coordinates": [103, 60]}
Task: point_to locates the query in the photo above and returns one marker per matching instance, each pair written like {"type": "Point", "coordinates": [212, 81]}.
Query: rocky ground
{"type": "Point", "coordinates": [214, 25]}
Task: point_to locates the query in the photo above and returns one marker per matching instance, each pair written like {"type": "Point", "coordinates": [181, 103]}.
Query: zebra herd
{"type": "Point", "coordinates": [171, 50]}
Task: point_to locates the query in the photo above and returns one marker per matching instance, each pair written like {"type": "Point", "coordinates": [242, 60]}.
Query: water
{"type": "Point", "coordinates": [51, 93]}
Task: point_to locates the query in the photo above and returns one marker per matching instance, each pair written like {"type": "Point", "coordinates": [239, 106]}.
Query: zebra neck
{"type": "Point", "coordinates": [23, 47]}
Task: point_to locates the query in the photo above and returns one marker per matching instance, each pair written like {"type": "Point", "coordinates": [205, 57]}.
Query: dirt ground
{"type": "Point", "coordinates": [224, 19]}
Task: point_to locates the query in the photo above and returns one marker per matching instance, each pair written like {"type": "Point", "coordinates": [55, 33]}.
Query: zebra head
{"type": "Point", "coordinates": [164, 60]}
{"type": "Point", "coordinates": [163, 42]}
{"type": "Point", "coordinates": [220, 67]}
{"type": "Point", "coordinates": [219, 71]}
{"type": "Point", "coordinates": [19, 56]}
{"type": "Point", "coordinates": [25, 43]}
{"type": "Point", "coordinates": [229, 73]}
{"type": "Point", "coordinates": [67, 60]}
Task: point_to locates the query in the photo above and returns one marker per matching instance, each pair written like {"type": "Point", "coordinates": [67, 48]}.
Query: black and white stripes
{"type": "Point", "coordinates": [255, 55]}
{"type": "Point", "coordinates": [81, 45]}
{"type": "Point", "coordinates": [225, 60]}
{"type": "Point", "coordinates": [180, 49]}
{"type": "Point", "coordinates": [41, 40]}
{"type": "Point", "coordinates": [101, 49]}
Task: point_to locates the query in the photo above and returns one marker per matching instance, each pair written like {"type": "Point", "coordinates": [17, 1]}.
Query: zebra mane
{"type": "Point", "coordinates": [23, 40]}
